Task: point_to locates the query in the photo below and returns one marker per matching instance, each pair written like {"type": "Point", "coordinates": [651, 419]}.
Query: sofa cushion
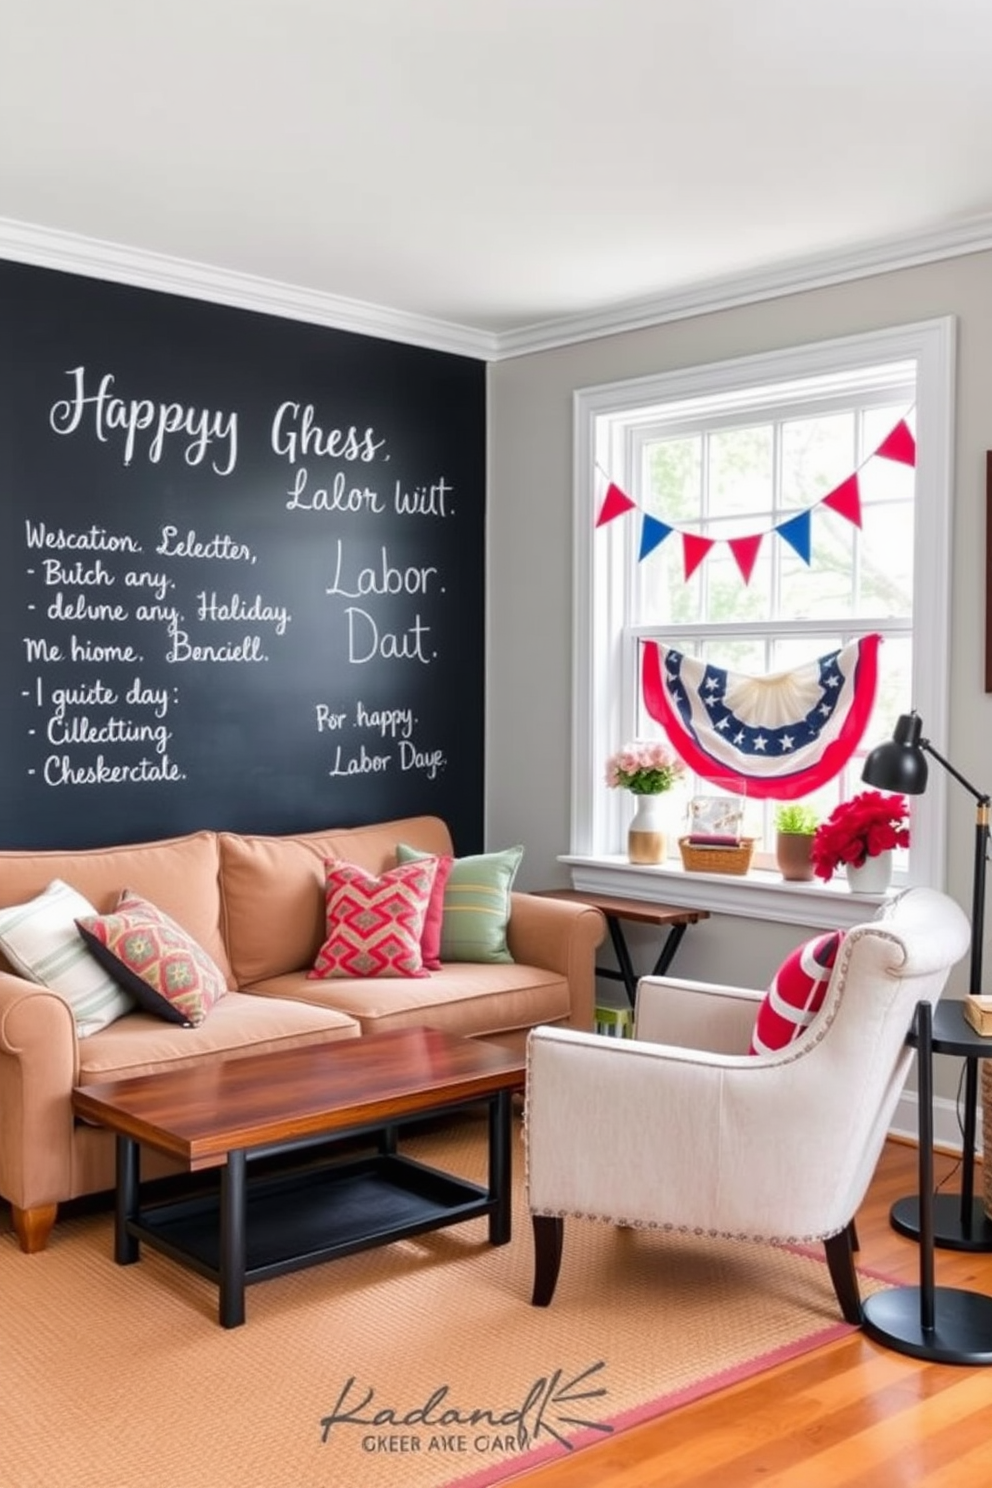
{"type": "Point", "coordinates": [154, 959]}
{"type": "Point", "coordinates": [273, 888]}
{"type": "Point", "coordinates": [41, 942]}
{"type": "Point", "coordinates": [430, 940]}
{"type": "Point", "coordinates": [476, 904]}
{"type": "Point", "coordinates": [796, 993]}
{"type": "Point", "coordinates": [375, 925]}
{"type": "Point", "coordinates": [179, 874]}
{"type": "Point", "coordinates": [140, 1043]}
{"type": "Point", "coordinates": [477, 1001]}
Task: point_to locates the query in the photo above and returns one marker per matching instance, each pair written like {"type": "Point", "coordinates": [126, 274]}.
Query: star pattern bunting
{"type": "Point", "coordinates": [785, 734]}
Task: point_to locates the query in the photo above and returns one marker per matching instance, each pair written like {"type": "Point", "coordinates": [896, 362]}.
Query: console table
{"type": "Point", "coordinates": [674, 918]}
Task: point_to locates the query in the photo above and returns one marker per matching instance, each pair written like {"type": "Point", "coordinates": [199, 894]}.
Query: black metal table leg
{"type": "Point", "coordinates": [233, 1240]}
{"type": "Point", "coordinates": [500, 1166]}
{"type": "Point", "coordinates": [672, 942]}
{"type": "Point", "coordinates": [627, 973]}
{"type": "Point", "coordinates": [126, 1200]}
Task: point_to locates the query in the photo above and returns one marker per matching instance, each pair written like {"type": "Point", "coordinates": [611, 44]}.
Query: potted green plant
{"type": "Point", "coordinates": [795, 825]}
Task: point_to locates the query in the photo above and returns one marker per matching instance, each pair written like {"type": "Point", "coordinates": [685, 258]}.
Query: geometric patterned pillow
{"type": "Point", "coordinates": [39, 940]}
{"type": "Point", "coordinates": [374, 925]}
{"type": "Point", "coordinates": [155, 960]}
{"type": "Point", "coordinates": [796, 993]}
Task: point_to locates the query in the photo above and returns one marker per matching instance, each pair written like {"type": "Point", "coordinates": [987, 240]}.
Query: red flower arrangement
{"type": "Point", "coordinates": [861, 828]}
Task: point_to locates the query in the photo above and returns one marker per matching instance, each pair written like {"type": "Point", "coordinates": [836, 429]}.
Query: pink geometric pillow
{"type": "Point", "coordinates": [153, 958]}
{"type": "Point", "coordinates": [374, 925]}
{"type": "Point", "coordinates": [796, 993]}
{"type": "Point", "coordinates": [430, 941]}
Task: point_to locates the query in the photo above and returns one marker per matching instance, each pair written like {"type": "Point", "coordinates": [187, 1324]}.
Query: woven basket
{"type": "Point", "coordinates": [717, 859]}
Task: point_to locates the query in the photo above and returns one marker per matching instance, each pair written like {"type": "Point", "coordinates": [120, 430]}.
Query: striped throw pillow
{"type": "Point", "coordinates": [41, 942]}
{"type": "Point", "coordinates": [476, 904]}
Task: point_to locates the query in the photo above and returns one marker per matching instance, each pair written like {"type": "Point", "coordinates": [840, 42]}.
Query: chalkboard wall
{"type": "Point", "coordinates": [241, 571]}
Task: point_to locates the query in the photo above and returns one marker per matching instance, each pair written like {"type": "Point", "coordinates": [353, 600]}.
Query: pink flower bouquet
{"type": "Point", "coordinates": [645, 769]}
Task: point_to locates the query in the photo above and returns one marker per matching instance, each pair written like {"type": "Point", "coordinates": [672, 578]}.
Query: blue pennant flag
{"type": "Point", "coordinates": [797, 533]}
{"type": "Point", "coordinates": [653, 534]}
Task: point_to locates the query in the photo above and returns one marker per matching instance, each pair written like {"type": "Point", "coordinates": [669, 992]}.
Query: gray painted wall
{"type": "Point", "coordinates": [530, 566]}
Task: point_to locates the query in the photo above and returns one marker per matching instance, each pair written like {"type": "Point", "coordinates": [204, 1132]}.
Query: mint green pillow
{"type": "Point", "coordinates": [476, 904]}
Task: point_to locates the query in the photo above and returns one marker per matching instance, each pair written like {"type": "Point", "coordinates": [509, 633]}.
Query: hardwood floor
{"type": "Point", "coordinates": [851, 1415]}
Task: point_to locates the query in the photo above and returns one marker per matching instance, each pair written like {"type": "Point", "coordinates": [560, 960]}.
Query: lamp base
{"type": "Point", "coordinates": [950, 1230]}
{"type": "Point", "coordinates": [962, 1330]}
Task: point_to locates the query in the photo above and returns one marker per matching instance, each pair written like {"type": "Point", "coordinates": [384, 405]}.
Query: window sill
{"type": "Point", "coordinates": [757, 895]}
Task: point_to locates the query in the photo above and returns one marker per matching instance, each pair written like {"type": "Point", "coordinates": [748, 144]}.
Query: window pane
{"type": "Point", "coordinates": [740, 475]}
{"type": "Point", "coordinates": [817, 453]}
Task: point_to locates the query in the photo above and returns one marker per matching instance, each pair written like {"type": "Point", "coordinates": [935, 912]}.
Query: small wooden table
{"type": "Point", "coordinates": [674, 917]}
{"type": "Point", "coordinates": [226, 1113]}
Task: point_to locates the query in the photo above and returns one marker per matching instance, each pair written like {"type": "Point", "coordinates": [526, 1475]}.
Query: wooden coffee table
{"type": "Point", "coordinates": [231, 1113]}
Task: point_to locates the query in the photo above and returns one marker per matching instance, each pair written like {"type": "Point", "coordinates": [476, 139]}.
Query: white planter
{"type": "Point", "coordinates": [874, 875]}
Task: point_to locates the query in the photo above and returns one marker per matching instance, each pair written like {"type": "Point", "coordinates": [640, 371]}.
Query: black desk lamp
{"type": "Point", "coordinates": [901, 765]}
{"type": "Point", "coordinates": [931, 1322]}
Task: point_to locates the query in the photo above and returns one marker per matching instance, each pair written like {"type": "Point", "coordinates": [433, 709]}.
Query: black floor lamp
{"type": "Point", "coordinates": [900, 765]}
{"type": "Point", "coordinates": [931, 1322]}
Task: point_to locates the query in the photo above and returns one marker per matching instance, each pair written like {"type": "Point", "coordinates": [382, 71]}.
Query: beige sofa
{"type": "Point", "coordinates": [256, 905]}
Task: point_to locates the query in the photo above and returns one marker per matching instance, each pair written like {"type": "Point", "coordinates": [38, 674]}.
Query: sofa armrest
{"type": "Point", "coordinates": [38, 1065]}
{"type": "Point", "coordinates": [696, 1015]}
{"type": "Point", "coordinates": [559, 936]}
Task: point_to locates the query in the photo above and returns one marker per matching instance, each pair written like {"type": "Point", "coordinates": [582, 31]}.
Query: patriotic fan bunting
{"type": "Point", "coordinates": [845, 499]}
{"type": "Point", "coordinates": [785, 734]}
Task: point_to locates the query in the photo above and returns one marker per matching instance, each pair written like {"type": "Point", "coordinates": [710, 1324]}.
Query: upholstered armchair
{"type": "Point", "coordinates": [681, 1128]}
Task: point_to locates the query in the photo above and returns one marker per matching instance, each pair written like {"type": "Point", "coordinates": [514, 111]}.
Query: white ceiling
{"type": "Point", "coordinates": [496, 164]}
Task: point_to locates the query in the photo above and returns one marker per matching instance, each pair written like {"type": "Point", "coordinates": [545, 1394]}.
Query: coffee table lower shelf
{"type": "Point", "coordinates": [299, 1219]}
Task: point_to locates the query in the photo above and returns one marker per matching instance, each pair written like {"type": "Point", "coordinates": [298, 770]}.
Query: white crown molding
{"type": "Point", "coordinates": [51, 249]}
{"type": "Point", "coordinates": [74, 254]}
{"type": "Point", "coordinates": [792, 277]}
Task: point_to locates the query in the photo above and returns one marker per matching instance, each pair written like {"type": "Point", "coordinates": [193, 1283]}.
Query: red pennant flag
{"type": "Point", "coordinates": [615, 503]}
{"type": "Point", "coordinates": [846, 499]}
{"type": "Point", "coordinates": [899, 445]}
{"type": "Point", "coordinates": [745, 551]}
{"type": "Point", "coordinates": [694, 550]}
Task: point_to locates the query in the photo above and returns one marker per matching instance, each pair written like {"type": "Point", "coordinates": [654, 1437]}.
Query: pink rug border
{"type": "Point", "coordinates": [662, 1405]}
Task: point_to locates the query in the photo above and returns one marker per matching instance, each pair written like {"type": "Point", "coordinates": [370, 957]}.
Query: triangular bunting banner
{"type": "Point", "coordinates": [653, 534]}
{"type": "Point", "coordinates": [899, 445]}
{"type": "Point", "coordinates": [846, 499]}
{"type": "Point", "coordinates": [745, 551]}
{"type": "Point", "coordinates": [785, 734]}
{"type": "Point", "coordinates": [694, 549]}
{"type": "Point", "coordinates": [615, 503]}
{"type": "Point", "coordinates": [797, 534]}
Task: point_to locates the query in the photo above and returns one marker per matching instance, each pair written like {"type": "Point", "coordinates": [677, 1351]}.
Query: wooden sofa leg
{"type": "Point", "coordinates": [549, 1234]}
{"type": "Point", "coordinates": [840, 1261]}
{"type": "Point", "coordinates": [33, 1226]}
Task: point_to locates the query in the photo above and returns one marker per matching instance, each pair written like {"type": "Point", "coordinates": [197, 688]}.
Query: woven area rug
{"type": "Point", "coordinates": [416, 1365]}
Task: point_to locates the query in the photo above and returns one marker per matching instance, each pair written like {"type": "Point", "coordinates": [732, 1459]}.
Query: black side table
{"type": "Point", "coordinates": [943, 1324]}
{"type": "Point", "coordinates": [959, 1220]}
{"type": "Point", "coordinates": [671, 917]}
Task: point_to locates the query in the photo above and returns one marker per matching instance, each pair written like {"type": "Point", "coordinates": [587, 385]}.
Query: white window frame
{"type": "Point", "coordinates": [597, 813]}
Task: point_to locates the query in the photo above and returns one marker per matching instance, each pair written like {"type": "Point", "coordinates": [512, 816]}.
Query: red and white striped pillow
{"type": "Point", "coordinates": [796, 993]}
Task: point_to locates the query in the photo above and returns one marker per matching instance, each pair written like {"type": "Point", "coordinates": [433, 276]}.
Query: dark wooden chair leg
{"type": "Point", "coordinates": [840, 1262]}
{"type": "Point", "coordinates": [855, 1242]}
{"type": "Point", "coordinates": [549, 1233]}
